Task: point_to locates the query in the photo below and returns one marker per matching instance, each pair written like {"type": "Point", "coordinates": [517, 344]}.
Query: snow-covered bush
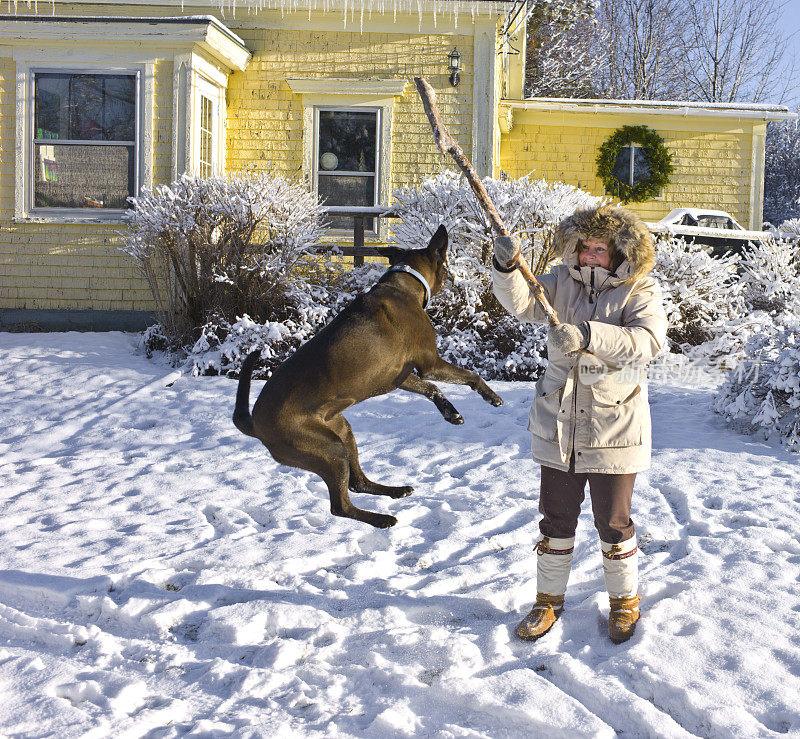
{"type": "Point", "coordinates": [530, 209]}
{"type": "Point", "coordinates": [472, 327]}
{"type": "Point", "coordinates": [792, 226]}
{"type": "Point", "coordinates": [498, 347]}
{"type": "Point", "coordinates": [762, 395]}
{"type": "Point", "coordinates": [223, 344]}
{"type": "Point", "coordinates": [228, 246]}
{"type": "Point", "coordinates": [701, 294]}
{"type": "Point", "coordinates": [769, 276]}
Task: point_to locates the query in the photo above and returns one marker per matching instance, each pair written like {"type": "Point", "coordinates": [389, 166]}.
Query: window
{"type": "Point", "coordinates": [346, 160]}
{"type": "Point", "coordinates": [206, 137]}
{"type": "Point", "coordinates": [84, 140]}
{"type": "Point", "coordinates": [631, 165]}
{"type": "Point", "coordinates": [207, 154]}
{"type": "Point", "coordinates": [709, 221]}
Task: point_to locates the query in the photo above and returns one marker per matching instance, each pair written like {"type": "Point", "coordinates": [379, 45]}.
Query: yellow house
{"type": "Point", "coordinates": [99, 100]}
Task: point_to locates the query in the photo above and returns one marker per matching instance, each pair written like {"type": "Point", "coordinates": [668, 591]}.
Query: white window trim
{"type": "Point", "coordinates": [205, 88]}
{"type": "Point", "coordinates": [378, 166]}
{"type": "Point", "coordinates": [311, 102]}
{"type": "Point", "coordinates": [190, 72]}
{"type": "Point", "coordinates": [50, 61]}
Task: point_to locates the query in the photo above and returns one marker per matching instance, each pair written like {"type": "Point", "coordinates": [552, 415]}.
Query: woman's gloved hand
{"type": "Point", "coordinates": [506, 249]}
{"type": "Point", "coordinates": [567, 338]}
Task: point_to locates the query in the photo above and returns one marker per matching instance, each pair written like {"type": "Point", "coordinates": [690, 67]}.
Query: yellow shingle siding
{"type": "Point", "coordinates": [78, 266]}
{"type": "Point", "coordinates": [71, 266]}
{"type": "Point", "coordinates": [712, 161]}
{"type": "Point", "coordinates": [265, 118]}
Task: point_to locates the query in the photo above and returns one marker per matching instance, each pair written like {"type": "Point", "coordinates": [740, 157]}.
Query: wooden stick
{"type": "Point", "coordinates": [448, 145]}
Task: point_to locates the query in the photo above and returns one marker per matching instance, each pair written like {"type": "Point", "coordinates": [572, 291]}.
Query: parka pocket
{"type": "Point", "coordinates": [617, 415]}
{"type": "Point", "coordinates": [546, 404]}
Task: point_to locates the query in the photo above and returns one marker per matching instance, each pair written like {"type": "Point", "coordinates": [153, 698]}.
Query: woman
{"type": "Point", "coordinates": [590, 418]}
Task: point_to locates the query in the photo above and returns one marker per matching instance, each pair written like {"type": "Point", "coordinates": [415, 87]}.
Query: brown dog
{"type": "Point", "coordinates": [372, 347]}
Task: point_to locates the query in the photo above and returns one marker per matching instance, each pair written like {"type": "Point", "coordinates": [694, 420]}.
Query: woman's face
{"type": "Point", "coordinates": [594, 253]}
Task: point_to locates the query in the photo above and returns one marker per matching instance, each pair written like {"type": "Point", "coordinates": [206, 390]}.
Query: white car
{"type": "Point", "coordinates": [701, 218]}
{"type": "Point", "coordinates": [713, 228]}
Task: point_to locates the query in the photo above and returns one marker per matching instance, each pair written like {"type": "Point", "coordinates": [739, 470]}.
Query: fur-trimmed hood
{"type": "Point", "coordinates": [620, 227]}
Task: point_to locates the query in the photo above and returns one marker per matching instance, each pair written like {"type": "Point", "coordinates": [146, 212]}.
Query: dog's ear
{"type": "Point", "coordinates": [438, 244]}
{"type": "Point", "coordinates": [394, 255]}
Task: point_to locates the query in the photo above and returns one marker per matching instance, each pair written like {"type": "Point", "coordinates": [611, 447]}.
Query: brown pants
{"type": "Point", "coordinates": [563, 492]}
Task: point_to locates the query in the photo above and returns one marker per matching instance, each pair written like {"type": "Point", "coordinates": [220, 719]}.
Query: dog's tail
{"type": "Point", "coordinates": [241, 414]}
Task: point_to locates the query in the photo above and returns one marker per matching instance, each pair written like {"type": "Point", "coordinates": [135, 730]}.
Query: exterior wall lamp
{"type": "Point", "coordinates": [454, 67]}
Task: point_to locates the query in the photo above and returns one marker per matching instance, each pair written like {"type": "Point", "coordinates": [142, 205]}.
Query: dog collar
{"type": "Point", "coordinates": [413, 272]}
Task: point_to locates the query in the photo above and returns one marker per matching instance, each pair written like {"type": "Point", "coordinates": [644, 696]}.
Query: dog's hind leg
{"type": "Point", "coordinates": [319, 449]}
{"type": "Point", "coordinates": [415, 384]}
{"type": "Point", "coordinates": [359, 482]}
{"type": "Point", "coordinates": [446, 372]}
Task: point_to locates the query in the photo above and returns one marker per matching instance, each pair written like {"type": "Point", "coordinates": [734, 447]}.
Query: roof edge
{"type": "Point", "coordinates": [182, 20]}
{"type": "Point", "coordinates": [764, 111]}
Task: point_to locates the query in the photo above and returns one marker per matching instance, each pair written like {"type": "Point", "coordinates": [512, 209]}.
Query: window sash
{"type": "Point", "coordinates": [206, 133]}
{"type": "Point", "coordinates": [33, 142]}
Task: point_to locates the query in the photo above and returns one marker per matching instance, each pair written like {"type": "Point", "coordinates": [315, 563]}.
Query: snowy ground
{"type": "Point", "coordinates": [161, 576]}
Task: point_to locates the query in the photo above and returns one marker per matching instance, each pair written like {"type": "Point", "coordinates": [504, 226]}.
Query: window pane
{"type": "Point", "coordinates": [347, 190]}
{"type": "Point", "coordinates": [713, 221]}
{"type": "Point", "coordinates": [622, 165]}
{"type": "Point", "coordinates": [641, 165]}
{"type": "Point", "coordinates": [77, 176]}
{"type": "Point", "coordinates": [206, 138]}
{"type": "Point", "coordinates": [86, 107]}
{"type": "Point", "coordinates": [347, 141]}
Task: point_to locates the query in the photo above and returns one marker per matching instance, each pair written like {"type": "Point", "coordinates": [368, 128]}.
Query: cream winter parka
{"type": "Point", "coordinates": [595, 403]}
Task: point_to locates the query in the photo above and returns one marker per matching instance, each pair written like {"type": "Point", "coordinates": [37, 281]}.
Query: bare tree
{"type": "Point", "coordinates": [643, 51]}
{"type": "Point", "coordinates": [565, 49]}
{"type": "Point", "coordinates": [735, 50]}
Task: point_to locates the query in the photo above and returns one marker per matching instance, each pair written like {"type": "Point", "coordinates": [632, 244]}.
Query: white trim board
{"type": "Point", "coordinates": [23, 154]}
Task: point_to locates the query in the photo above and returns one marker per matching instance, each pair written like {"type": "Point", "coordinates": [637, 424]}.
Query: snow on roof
{"type": "Point", "coordinates": [182, 19]}
{"type": "Point", "coordinates": [665, 103]}
{"type": "Point", "coordinates": [766, 111]}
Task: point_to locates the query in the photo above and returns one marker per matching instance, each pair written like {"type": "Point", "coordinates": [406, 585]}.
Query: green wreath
{"type": "Point", "coordinates": [658, 156]}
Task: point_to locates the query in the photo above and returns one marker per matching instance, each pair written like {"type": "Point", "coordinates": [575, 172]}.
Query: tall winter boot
{"type": "Point", "coordinates": [552, 572]}
{"type": "Point", "coordinates": [621, 569]}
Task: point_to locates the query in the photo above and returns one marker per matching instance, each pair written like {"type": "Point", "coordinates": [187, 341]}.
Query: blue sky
{"type": "Point", "coordinates": [791, 17]}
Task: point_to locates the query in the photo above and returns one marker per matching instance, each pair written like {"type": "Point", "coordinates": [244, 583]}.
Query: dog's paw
{"type": "Point", "coordinates": [455, 418]}
{"type": "Point", "coordinates": [379, 521]}
{"type": "Point", "coordinates": [402, 492]}
{"type": "Point", "coordinates": [495, 400]}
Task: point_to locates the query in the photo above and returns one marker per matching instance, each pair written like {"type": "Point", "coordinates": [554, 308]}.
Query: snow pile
{"type": "Point", "coordinates": [228, 245]}
{"type": "Point", "coordinates": [762, 395]}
